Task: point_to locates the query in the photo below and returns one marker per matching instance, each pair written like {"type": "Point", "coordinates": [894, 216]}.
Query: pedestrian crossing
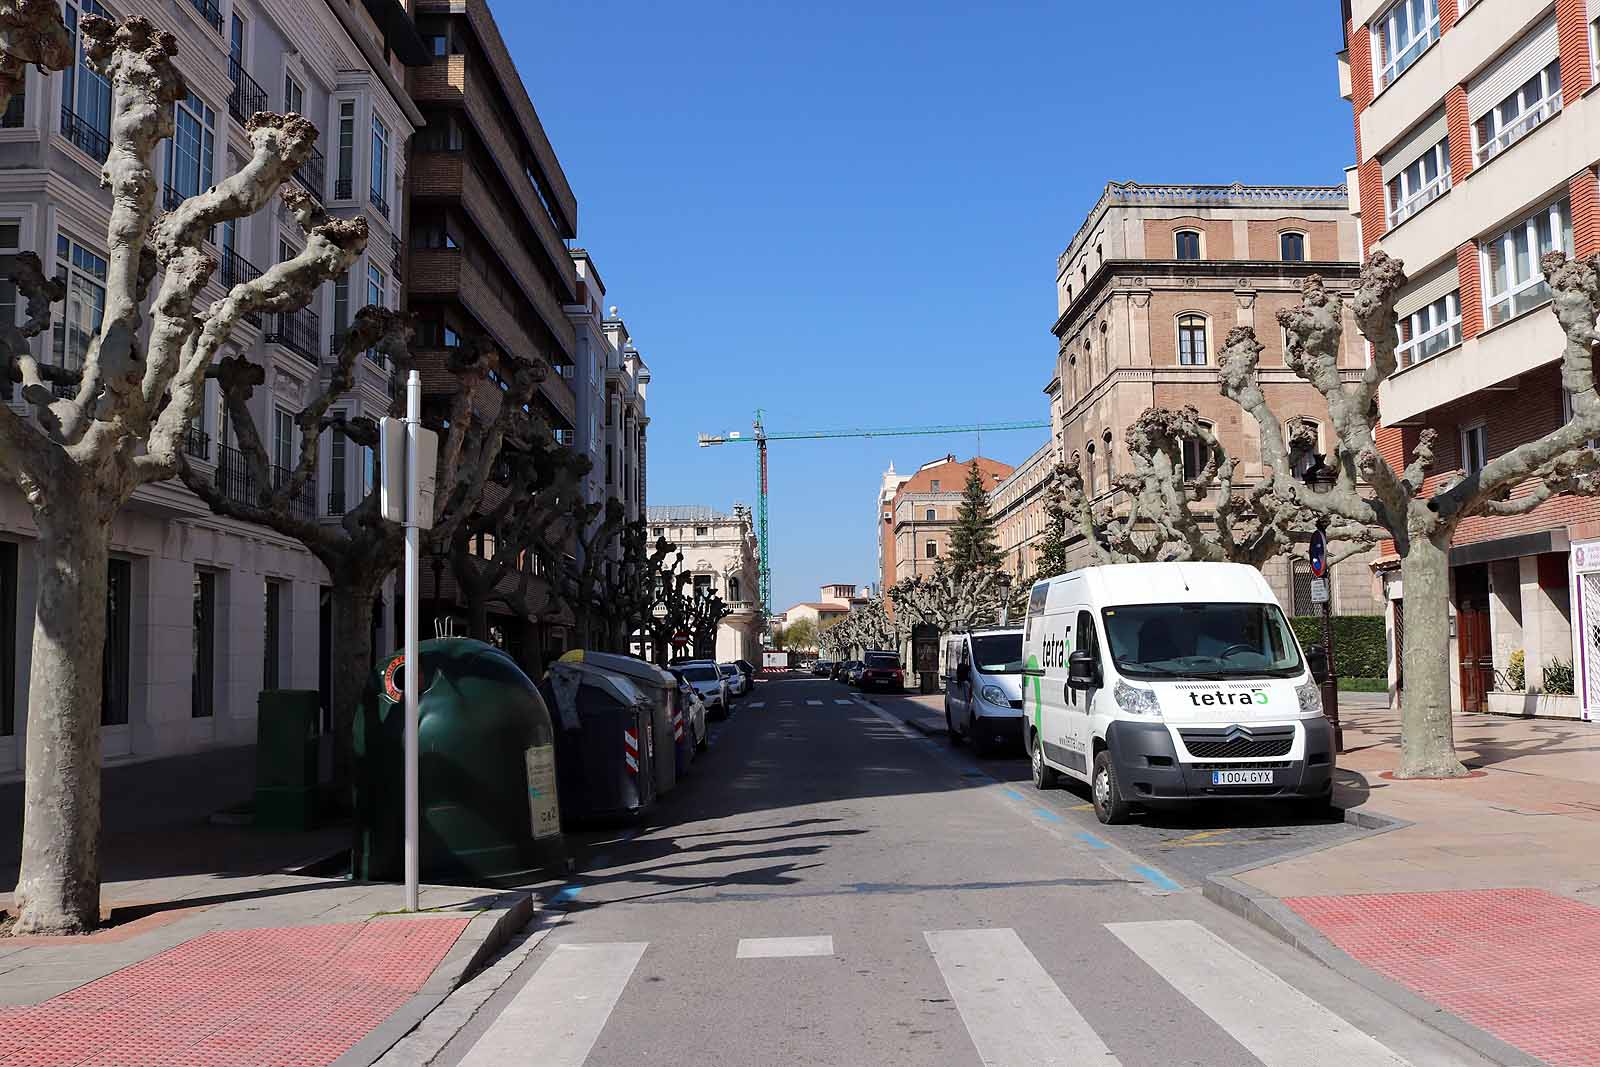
{"type": "Point", "coordinates": [1011, 1006]}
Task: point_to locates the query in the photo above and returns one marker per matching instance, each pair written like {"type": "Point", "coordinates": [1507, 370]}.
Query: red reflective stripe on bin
{"type": "Point", "coordinates": [630, 750]}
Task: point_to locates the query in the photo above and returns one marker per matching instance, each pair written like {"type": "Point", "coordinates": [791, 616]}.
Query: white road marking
{"type": "Point", "coordinates": [556, 1018]}
{"type": "Point", "coordinates": [1279, 1024]}
{"type": "Point", "coordinates": [844, 701]}
{"type": "Point", "coordinates": [758, 704]}
{"type": "Point", "coordinates": [1012, 1009]}
{"type": "Point", "coordinates": [761, 948]}
{"type": "Point", "coordinates": [814, 703]}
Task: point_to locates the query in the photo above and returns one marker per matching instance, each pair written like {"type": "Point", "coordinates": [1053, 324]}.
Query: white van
{"type": "Point", "coordinates": [1171, 682]}
{"type": "Point", "coordinates": [983, 689]}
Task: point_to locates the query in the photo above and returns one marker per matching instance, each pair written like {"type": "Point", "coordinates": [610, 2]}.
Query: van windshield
{"type": "Point", "coordinates": [998, 654]}
{"type": "Point", "coordinates": [1201, 640]}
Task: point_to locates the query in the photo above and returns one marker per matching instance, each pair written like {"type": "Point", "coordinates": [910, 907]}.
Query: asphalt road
{"type": "Point", "coordinates": [832, 887]}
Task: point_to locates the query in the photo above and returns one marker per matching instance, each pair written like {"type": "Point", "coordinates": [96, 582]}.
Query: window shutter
{"type": "Point", "coordinates": [1432, 285]}
{"type": "Point", "coordinates": [1414, 144]}
{"type": "Point", "coordinates": [1537, 50]}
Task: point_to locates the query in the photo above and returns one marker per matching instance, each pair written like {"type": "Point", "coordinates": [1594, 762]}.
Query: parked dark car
{"type": "Point", "coordinates": [823, 668]}
{"type": "Point", "coordinates": [853, 675]}
{"type": "Point", "coordinates": [841, 670]}
{"type": "Point", "coordinates": [881, 670]}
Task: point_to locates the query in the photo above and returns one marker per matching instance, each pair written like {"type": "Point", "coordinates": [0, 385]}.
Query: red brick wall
{"type": "Point", "coordinates": [1572, 32]}
{"type": "Point", "coordinates": [1160, 244]}
{"type": "Point", "coordinates": [1322, 238]}
{"type": "Point", "coordinates": [1447, 15]}
{"type": "Point", "coordinates": [1467, 268]}
{"type": "Point", "coordinates": [952, 477]}
{"type": "Point", "coordinates": [1455, 106]}
{"type": "Point", "coordinates": [1374, 205]}
{"type": "Point", "coordinates": [1585, 213]}
{"type": "Point", "coordinates": [1360, 75]}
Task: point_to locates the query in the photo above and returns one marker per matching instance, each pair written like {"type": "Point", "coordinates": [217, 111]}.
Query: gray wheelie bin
{"type": "Point", "coordinates": [605, 744]}
{"type": "Point", "coordinates": [674, 746]}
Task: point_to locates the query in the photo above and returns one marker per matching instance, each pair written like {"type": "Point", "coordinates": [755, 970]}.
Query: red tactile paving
{"type": "Point", "coordinates": [1522, 964]}
{"type": "Point", "coordinates": [293, 996]}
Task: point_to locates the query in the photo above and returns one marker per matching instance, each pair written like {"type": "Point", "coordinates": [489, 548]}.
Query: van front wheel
{"type": "Point", "coordinates": [1044, 776]}
{"type": "Point", "coordinates": [1109, 807]}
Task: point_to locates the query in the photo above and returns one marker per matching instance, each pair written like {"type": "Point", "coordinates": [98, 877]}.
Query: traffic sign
{"type": "Point", "coordinates": [1319, 555]}
{"type": "Point", "coordinates": [680, 638]}
{"type": "Point", "coordinates": [1319, 590]}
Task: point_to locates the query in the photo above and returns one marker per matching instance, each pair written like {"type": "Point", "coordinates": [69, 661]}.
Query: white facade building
{"type": "Point", "coordinates": [720, 551]}
{"type": "Point", "coordinates": [204, 612]}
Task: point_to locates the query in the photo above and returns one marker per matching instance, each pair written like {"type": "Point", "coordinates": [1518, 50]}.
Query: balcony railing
{"type": "Point", "coordinates": [378, 202]}
{"type": "Point", "coordinates": [247, 97]}
{"type": "Point", "coordinates": [95, 144]}
{"type": "Point", "coordinates": [303, 505]}
{"type": "Point", "coordinates": [237, 483]}
{"type": "Point", "coordinates": [298, 331]}
{"type": "Point", "coordinates": [210, 12]}
{"type": "Point", "coordinates": [1516, 131]}
{"type": "Point", "coordinates": [343, 189]}
{"type": "Point", "coordinates": [313, 174]}
{"type": "Point", "coordinates": [336, 502]}
{"type": "Point", "coordinates": [197, 443]}
{"type": "Point", "coordinates": [236, 269]}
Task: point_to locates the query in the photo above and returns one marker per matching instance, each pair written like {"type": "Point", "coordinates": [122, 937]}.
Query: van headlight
{"type": "Point", "coordinates": [993, 695]}
{"type": "Point", "coordinates": [1310, 694]}
{"type": "Point", "coordinates": [1135, 700]}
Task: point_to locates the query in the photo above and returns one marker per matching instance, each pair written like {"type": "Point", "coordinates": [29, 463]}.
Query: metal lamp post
{"type": "Point", "coordinates": [1321, 478]}
{"type": "Point", "coordinates": [1005, 598]}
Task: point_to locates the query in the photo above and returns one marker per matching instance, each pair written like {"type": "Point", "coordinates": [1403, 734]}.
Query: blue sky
{"type": "Point", "coordinates": [848, 214]}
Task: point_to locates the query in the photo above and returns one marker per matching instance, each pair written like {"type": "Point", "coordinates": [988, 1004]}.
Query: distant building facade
{"type": "Point", "coordinates": [719, 550]}
{"type": "Point", "coordinates": [832, 604]}
{"type": "Point", "coordinates": [1018, 506]}
{"type": "Point", "coordinates": [1147, 291]}
{"type": "Point", "coordinates": [916, 533]}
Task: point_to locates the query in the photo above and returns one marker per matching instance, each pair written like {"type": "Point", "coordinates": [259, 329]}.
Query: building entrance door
{"type": "Point", "coordinates": [1472, 637]}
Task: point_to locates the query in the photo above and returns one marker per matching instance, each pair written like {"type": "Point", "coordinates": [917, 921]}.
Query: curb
{"type": "Point", "coordinates": [925, 729]}
{"type": "Point", "coordinates": [485, 935]}
{"type": "Point", "coordinates": [1268, 913]}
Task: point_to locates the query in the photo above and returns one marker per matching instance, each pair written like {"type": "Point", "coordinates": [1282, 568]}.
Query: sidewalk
{"type": "Point", "coordinates": [217, 952]}
{"type": "Point", "coordinates": [1485, 897]}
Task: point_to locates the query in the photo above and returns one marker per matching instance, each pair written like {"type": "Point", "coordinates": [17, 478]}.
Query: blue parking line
{"type": "Point", "coordinates": [1092, 841]}
{"type": "Point", "coordinates": [1156, 878]}
{"type": "Point", "coordinates": [1046, 813]}
{"type": "Point", "coordinates": [566, 894]}
{"type": "Point", "coordinates": [1013, 794]}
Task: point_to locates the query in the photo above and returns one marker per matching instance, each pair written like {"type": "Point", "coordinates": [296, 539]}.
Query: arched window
{"type": "Point", "coordinates": [1187, 244]}
{"type": "Point", "coordinates": [1192, 340]}
{"type": "Point", "coordinates": [1111, 468]}
{"type": "Point", "coordinates": [931, 550]}
{"type": "Point", "coordinates": [929, 515]}
{"type": "Point", "coordinates": [1194, 455]}
{"type": "Point", "coordinates": [1292, 246]}
{"type": "Point", "coordinates": [1088, 465]}
{"type": "Point", "coordinates": [733, 589]}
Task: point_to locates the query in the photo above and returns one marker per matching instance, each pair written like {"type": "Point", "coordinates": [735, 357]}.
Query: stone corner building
{"type": "Point", "coordinates": [719, 550]}
{"type": "Point", "coordinates": [1147, 291]}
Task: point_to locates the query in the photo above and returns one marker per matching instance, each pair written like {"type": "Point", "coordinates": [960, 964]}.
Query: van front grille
{"type": "Point", "coordinates": [1238, 742]}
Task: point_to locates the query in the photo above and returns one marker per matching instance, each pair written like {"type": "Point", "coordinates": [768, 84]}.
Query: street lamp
{"type": "Point", "coordinates": [1005, 598]}
{"type": "Point", "coordinates": [1321, 478]}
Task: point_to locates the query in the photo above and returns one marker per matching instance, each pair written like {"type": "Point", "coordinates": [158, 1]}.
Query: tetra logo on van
{"type": "Point", "coordinates": [1055, 651]}
{"type": "Point", "coordinates": [1229, 699]}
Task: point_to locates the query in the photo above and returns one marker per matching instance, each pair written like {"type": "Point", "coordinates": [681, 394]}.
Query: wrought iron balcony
{"type": "Point", "coordinates": [236, 269]}
{"type": "Point", "coordinates": [234, 480]}
{"type": "Point", "coordinates": [298, 331]}
{"type": "Point", "coordinates": [343, 189]}
{"type": "Point", "coordinates": [303, 505]}
{"type": "Point", "coordinates": [313, 174]}
{"type": "Point", "coordinates": [378, 202]}
{"type": "Point", "coordinates": [95, 144]}
{"type": "Point", "coordinates": [247, 97]}
{"type": "Point", "coordinates": [197, 443]}
{"type": "Point", "coordinates": [210, 12]}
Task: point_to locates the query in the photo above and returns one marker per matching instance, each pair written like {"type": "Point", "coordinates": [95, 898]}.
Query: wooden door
{"type": "Point", "coordinates": [1477, 655]}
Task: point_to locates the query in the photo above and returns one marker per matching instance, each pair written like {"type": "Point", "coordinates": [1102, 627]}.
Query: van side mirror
{"type": "Point", "coordinates": [1317, 659]}
{"type": "Point", "coordinates": [1083, 670]}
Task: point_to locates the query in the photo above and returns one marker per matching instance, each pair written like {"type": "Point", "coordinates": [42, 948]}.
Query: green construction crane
{"type": "Point", "coordinates": [761, 437]}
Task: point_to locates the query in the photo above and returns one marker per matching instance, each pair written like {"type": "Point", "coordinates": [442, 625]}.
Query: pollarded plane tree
{"type": "Point", "coordinates": [363, 548]}
{"type": "Point", "coordinates": [955, 602]}
{"type": "Point", "coordinates": [1164, 514]}
{"type": "Point", "coordinates": [1419, 519]}
{"type": "Point", "coordinates": [94, 433]}
{"type": "Point", "coordinates": [579, 580]}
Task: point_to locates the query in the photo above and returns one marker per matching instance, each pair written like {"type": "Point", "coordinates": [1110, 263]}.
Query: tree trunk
{"type": "Point", "coordinates": [1427, 740]}
{"type": "Point", "coordinates": [351, 660]}
{"type": "Point", "coordinates": [58, 885]}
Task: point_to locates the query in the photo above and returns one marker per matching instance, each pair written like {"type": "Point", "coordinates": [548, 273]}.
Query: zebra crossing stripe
{"type": "Point", "coordinates": [556, 1018]}
{"type": "Point", "coordinates": [1281, 1026]}
{"type": "Point", "coordinates": [837, 701]}
{"type": "Point", "coordinates": [1012, 1009]}
{"type": "Point", "coordinates": [758, 704]}
{"type": "Point", "coordinates": [814, 703]}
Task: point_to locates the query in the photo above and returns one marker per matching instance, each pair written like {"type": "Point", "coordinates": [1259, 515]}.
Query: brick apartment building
{"type": "Point", "coordinates": [1477, 135]}
{"type": "Point", "coordinates": [914, 525]}
{"type": "Point", "coordinates": [1147, 291]}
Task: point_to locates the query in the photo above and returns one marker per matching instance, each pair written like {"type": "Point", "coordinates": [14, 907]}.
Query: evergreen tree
{"type": "Point", "coordinates": [972, 542]}
{"type": "Point", "coordinates": [1051, 557]}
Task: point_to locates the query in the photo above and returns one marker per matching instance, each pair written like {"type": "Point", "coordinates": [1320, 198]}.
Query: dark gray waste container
{"type": "Point", "coordinates": [605, 744]}
{"type": "Point", "coordinates": [674, 747]}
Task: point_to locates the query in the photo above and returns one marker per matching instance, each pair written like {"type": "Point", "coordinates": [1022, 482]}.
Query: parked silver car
{"type": "Point", "coordinates": [738, 684]}
{"type": "Point", "coordinates": [708, 681]}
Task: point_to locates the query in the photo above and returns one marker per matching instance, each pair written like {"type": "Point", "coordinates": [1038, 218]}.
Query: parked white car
{"type": "Point", "coordinates": [738, 684]}
{"type": "Point", "coordinates": [694, 708]}
{"type": "Point", "coordinates": [709, 683]}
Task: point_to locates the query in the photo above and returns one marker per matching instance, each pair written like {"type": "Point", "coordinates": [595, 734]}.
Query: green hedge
{"type": "Point", "coordinates": [1360, 646]}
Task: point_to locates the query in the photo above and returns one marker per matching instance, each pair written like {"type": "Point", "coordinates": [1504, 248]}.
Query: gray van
{"type": "Point", "coordinates": [983, 689]}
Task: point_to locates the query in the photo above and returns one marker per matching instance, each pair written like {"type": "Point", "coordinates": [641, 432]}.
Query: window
{"type": "Point", "coordinates": [85, 95]}
{"type": "Point", "coordinates": [1300, 586]}
{"type": "Point", "coordinates": [1430, 330]}
{"type": "Point", "coordinates": [1187, 244]}
{"type": "Point", "coordinates": [119, 619]}
{"type": "Point", "coordinates": [1192, 340]}
{"type": "Point", "coordinates": [336, 476]}
{"type": "Point", "coordinates": [1513, 277]}
{"type": "Point", "coordinates": [930, 550]}
{"type": "Point", "coordinates": [438, 44]}
{"type": "Point", "coordinates": [8, 638]}
{"type": "Point", "coordinates": [1401, 34]}
{"type": "Point", "coordinates": [380, 166]}
{"type": "Point", "coordinates": [1474, 448]}
{"type": "Point", "coordinates": [202, 677]}
{"type": "Point", "coordinates": [13, 117]}
{"type": "Point", "coordinates": [193, 149]}
{"type": "Point", "coordinates": [294, 95]}
{"type": "Point", "coordinates": [1423, 181]}
{"type": "Point", "coordinates": [1292, 246]}
{"type": "Point", "coordinates": [369, 470]}
{"type": "Point", "coordinates": [702, 531]}
{"type": "Point", "coordinates": [85, 305]}
{"type": "Point", "coordinates": [933, 486]}
{"type": "Point", "coordinates": [343, 187]}
{"type": "Point", "coordinates": [930, 515]}
{"type": "Point", "coordinates": [733, 589]}
{"type": "Point", "coordinates": [282, 439]}
{"type": "Point", "coordinates": [270, 649]}
{"type": "Point", "coordinates": [1516, 116]}
{"type": "Point", "coordinates": [341, 302]}
{"type": "Point", "coordinates": [10, 241]}
{"type": "Point", "coordinates": [377, 286]}
{"type": "Point", "coordinates": [1194, 456]}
